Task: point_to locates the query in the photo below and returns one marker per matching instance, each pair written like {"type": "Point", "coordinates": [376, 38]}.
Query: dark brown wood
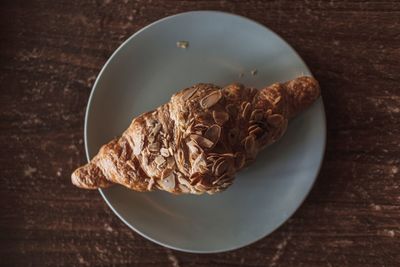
{"type": "Point", "coordinates": [50, 54]}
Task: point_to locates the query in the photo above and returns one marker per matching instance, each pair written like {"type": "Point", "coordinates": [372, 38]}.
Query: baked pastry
{"type": "Point", "coordinates": [198, 141]}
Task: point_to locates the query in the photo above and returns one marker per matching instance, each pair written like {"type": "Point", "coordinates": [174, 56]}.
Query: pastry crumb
{"type": "Point", "coordinates": [182, 44]}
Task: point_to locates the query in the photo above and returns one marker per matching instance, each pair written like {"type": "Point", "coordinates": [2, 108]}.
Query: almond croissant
{"type": "Point", "coordinates": [198, 141]}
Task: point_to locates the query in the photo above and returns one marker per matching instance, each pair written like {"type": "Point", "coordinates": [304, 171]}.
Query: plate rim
{"type": "Point", "coordinates": [89, 104]}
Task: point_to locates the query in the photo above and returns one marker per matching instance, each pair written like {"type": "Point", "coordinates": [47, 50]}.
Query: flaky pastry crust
{"type": "Point", "coordinates": [198, 141]}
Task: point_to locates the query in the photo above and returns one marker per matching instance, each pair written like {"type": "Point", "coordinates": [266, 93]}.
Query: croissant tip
{"type": "Point", "coordinates": [76, 179]}
{"type": "Point", "coordinates": [198, 141]}
{"type": "Point", "coordinates": [302, 91]}
{"type": "Point", "coordinates": [83, 178]}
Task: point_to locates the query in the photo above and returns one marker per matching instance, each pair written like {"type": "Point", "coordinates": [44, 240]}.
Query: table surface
{"type": "Point", "coordinates": [50, 54]}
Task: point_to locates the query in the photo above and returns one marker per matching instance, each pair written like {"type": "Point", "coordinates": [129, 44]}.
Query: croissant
{"type": "Point", "coordinates": [198, 141]}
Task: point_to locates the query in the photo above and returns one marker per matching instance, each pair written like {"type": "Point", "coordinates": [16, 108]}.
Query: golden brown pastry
{"type": "Point", "coordinates": [198, 141]}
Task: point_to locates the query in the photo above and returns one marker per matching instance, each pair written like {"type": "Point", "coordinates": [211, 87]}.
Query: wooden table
{"type": "Point", "coordinates": [50, 54]}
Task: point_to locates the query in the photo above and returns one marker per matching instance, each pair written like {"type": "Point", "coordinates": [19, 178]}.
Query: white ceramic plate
{"type": "Point", "coordinates": [147, 69]}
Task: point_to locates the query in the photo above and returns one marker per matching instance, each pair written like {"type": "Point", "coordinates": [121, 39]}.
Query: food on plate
{"type": "Point", "coordinates": [200, 139]}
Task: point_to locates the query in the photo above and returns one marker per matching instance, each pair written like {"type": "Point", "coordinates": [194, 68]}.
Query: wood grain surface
{"type": "Point", "coordinates": [50, 54]}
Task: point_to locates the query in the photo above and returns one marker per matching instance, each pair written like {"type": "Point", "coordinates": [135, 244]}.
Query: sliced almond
{"type": "Point", "coordinates": [275, 120]}
{"type": "Point", "coordinates": [219, 179]}
{"type": "Point", "coordinates": [159, 160]}
{"type": "Point", "coordinates": [252, 127]}
{"type": "Point", "coordinates": [277, 99]}
{"type": "Point", "coordinates": [138, 144]}
{"type": "Point", "coordinates": [186, 166]}
{"type": "Point", "coordinates": [225, 178]}
{"type": "Point", "coordinates": [161, 167]}
{"type": "Point", "coordinates": [195, 178]}
{"type": "Point", "coordinates": [216, 163]}
{"type": "Point", "coordinates": [213, 133]}
{"type": "Point", "coordinates": [188, 93]}
{"type": "Point", "coordinates": [212, 157]}
{"type": "Point", "coordinates": [211, 99]}
{"type": "Point", "coordinates": [154, 147]}
{"type": "Point", "coordinates": [246, 106]}
{"type": "Point", "coordinates": [256, 132]}
{"type": "Point", "coordinates": [201, 141]}
{"type": "Point", "coordinates": [200, 127]}
{"type": "Point", "coordinates": [144, 159]}
{"type": "Point", "coordinates": [170, 162]}
{"type": "Point", "coordinates": [150, 184]}
{"type": "Point", "coordinates": [244, 103]}
{"type": "Point", "coordinates": [181, 157]}
{"type": "Point", "coordinates": [220, 117]}
{"type": "Point", "coordinates": [199, 164]}
{"type": "Point", "coordinates": [168, 183]}
{"type": "Point", "coordinates": [196, 192]}
{"type": "Point", "coordinates": [131, 164]}
{"type": "Point", "coordinates": [201, 187]}
{"type": "Point", "coordinates": [184, 189]}
{"type": "Point", "coordinates": [182, 44]}
{"type": "Point", "coordinates": [249, 144]}
{"type": "Point", "coordinates": [166, 172]}
{"type": "Point", "coordinates": [193, 147]}
{"type": "Point", "coordinates": [164, 152]}
{"type": "Point", "coordinates": [182, 179]}
{"type": "Point", "coordinates": [221, 168]}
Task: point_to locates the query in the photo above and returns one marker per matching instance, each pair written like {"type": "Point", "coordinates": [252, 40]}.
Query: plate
{"type": "Point", "coordinates": [147, 69]}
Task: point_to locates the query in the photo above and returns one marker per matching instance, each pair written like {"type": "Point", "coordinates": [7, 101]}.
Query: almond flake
{"type": "Point", "coordinates": [168, 183]}
{"type": "Point", "coordinates": [246, 110]}
{"type": "Point", "coordinates": [188, 93]}
{"type": "Point", "coordinates": [159, 160]}
{"type": "Point", "coordinates": [201, 141]}
{"type": "Point", "coordinates": [164, 152]}
{"type": "Point", "coordinates": [211, 99]}
{"type": "Point", "coordinates": [213, 133]}
{"type": "Point", "coordinates": [220, 117]}
{"type": "Point", "coordinates": [275, 120]}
